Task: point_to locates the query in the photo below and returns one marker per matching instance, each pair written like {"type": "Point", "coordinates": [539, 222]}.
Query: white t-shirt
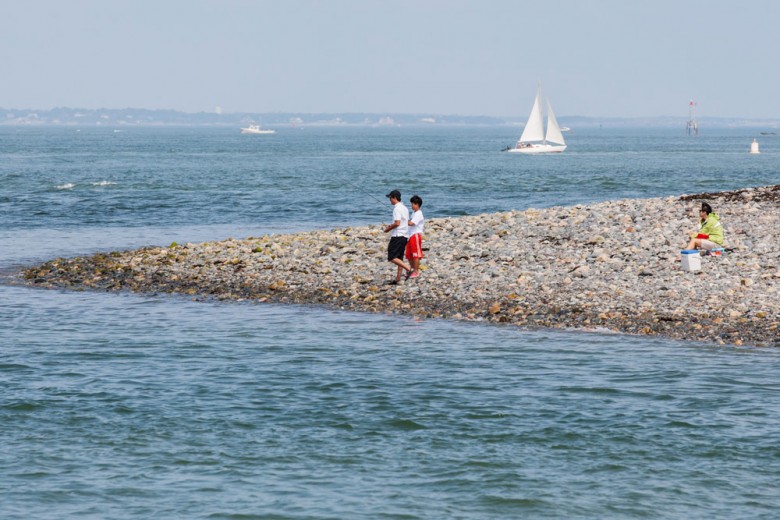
{"type": "Point", "coordinates": [401, 214]}
{"type": "Point", "coordinates": [419, 223]}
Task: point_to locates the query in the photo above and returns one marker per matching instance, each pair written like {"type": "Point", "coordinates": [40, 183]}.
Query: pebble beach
{"type": "Point", "coordinates": [606, 267]}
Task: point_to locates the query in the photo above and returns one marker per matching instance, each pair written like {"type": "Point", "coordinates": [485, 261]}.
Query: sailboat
{"type": "Point", "coordinates": [534, 138]}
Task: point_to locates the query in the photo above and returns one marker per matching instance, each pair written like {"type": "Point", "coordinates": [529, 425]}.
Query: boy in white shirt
{"type": "Point", "coordinates": [414, 250]}
{"type": "Point", "coordinates": [399, 228]}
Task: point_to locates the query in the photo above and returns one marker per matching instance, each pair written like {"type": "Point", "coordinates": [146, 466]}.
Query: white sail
{"type": "Point", "coordinates": [554, 134]}
{"type": "Point", "coordinates": [534, 128]}
{"type": "Point", "coordinates": [534, 140]}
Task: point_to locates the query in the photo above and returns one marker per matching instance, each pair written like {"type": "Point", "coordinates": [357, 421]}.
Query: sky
{"type": "Point", "coordinates": [597, 58]}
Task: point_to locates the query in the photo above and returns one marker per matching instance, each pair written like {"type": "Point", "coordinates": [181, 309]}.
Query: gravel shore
{"type": "Point", "coordinates": [608, 266]}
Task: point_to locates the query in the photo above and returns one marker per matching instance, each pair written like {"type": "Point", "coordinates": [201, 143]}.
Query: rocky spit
{"type": "Point", "coordinates": [610, 266]}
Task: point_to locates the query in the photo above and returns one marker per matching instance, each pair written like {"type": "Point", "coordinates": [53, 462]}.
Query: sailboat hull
{"type": "Point", "coordinates": [539, 148]}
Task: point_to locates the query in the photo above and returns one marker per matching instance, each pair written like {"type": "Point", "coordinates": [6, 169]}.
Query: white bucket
{"type": "Point", "coordinates": [691, 261]}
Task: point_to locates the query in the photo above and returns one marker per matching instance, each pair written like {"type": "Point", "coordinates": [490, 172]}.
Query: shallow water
{"type": "Point", "coordinates": [128, 406]}
{"type": "Point", "coordinates": [136, 406]}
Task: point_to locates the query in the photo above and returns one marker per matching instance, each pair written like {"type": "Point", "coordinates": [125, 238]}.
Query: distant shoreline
{"type": "Point", "coordinates": [606, 266]}
{"type": "Point", "coordinates": [138, 117]}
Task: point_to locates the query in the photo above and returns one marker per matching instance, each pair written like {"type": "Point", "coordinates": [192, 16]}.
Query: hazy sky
{"type": "Point", "coordinates": [605, 58]}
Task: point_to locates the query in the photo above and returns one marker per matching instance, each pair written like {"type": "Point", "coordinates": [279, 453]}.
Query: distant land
{"type": "Point", "coordinates": [126, 117]}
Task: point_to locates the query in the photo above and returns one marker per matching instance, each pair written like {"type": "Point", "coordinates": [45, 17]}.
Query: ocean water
{"type": "Point", "coordinates": [155, 406]}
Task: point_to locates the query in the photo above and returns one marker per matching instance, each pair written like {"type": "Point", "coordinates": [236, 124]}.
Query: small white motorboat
{"type": "Point", "coordinates": [255, 129]}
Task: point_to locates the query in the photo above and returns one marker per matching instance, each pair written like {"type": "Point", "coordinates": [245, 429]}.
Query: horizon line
{"type": "Point", "coordinates": [382, 113]}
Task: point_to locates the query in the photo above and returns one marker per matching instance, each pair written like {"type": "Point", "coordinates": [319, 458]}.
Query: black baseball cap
{"type": "Point", "coordinates": [394, 194]}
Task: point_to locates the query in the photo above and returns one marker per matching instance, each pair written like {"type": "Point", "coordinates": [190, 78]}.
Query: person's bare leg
{"type": "Point", "coordinates": [401, 267]}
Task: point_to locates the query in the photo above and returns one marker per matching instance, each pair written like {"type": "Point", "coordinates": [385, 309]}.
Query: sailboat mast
{"type": "Point", "coordinates": [539, 97]}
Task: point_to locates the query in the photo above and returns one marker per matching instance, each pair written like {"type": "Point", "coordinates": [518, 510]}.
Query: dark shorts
{"type": "Point", "coordinates": [396, 248]}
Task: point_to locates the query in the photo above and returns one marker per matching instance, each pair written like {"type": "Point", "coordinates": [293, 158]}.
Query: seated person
{"type": "Point", "coordinates": [710, 232]}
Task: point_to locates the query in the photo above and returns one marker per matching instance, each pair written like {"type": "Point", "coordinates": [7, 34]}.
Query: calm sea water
{"type": "Point", "coordinates": [136, 406]}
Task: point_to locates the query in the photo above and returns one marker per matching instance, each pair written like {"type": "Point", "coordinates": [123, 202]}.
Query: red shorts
{"type": "Point", "coordinates": [414, 247]}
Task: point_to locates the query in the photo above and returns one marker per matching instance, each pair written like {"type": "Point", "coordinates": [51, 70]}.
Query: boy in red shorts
{"type": "Point", "coordinates": [414, 250]}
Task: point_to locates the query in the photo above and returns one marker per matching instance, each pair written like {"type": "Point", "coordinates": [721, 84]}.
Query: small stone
{"type": "Point", "coordinates": [582, 271]}
{"type": "Point", "coordinates": [278, 284]}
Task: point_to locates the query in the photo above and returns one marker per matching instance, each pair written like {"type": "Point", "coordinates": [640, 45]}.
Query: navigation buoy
{"type": "Point", "coordinates": [754, 147]}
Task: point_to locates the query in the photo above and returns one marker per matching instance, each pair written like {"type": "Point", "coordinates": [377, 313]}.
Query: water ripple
{"type": "Point", "coordinates": [127, 406]}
